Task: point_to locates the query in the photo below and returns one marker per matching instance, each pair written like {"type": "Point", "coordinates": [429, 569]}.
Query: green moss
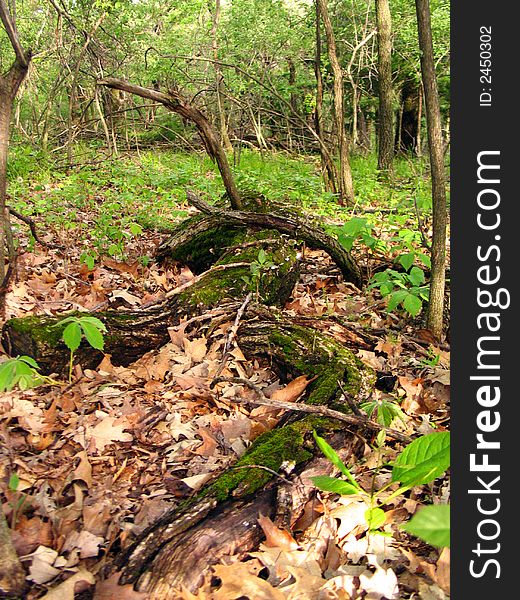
{"type": "Point", "coordinates": [318, 356]}
{"type": "Point", "coordinates": [269, 450]}
{"type": "Point", "coordinates": [42, 330]}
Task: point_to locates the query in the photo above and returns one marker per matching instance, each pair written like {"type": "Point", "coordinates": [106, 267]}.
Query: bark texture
{"type": "Point", "coordinates": [384, 42]}
{"type": "Point", "coordinates": [434, 316]}
{"type": "Point", "coordinates": [346, 186]}
{"type": "Point", "coordinates": [132, 333]}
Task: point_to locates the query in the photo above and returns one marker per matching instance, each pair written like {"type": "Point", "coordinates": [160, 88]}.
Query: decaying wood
{"type": "Point", "coordinates": [132, 333]}
{"type": "Point", "coordinates": [178, 549]}
{"type": "Point", "coordinates": [296, 226]}
{"type": "Point", "coordinates": [221, 519]}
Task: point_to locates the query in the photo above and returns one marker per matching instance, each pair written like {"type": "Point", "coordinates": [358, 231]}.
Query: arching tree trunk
{"type": "Point", "coordinates": [434, 317]}
{"type": "Point", "coordinates": [209, 137]}
{"type": "Point", "coordinates": [384, 41]}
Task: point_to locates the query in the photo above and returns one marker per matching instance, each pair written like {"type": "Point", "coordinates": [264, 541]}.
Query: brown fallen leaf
{"type": "Point", "coordinates": [67, 589]}
{"type": "Point", "coordinates": [84, 469]}
{"type": "Point", "coordinates": [196, 349]}
{"type": "Point", "coordinates": [276, 537]}
{"type": "Point", "coordinates": [238, 581]}
{"type": "Point", "coordinates": [442, 573]}
{"type": "Point", "coordinates": [293, 390]}
{"type": "Point", "coordinates": [209, 443]}
{"type": "Point", "coordinates": [108, 431]}
{"type": "Point", "coordinates": [31, 533]}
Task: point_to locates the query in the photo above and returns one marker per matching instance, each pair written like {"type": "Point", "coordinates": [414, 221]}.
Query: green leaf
{"type": "Point", "coordinates": [422, 461]}
{"type": "Point", "coordinates": [347, 241]}
{"type": "Point", "coordinates": [354, 226]}
{"type": "Point", "coordinates": [7, 375]}
{"type": "Point", "coordinates": [425, 259]}
{"type": "Point", "coordinates": [72, 336]}
{"type": "Point", "coordinates": [412, 304]}
{"type": "Point", "coordinates": [262, 256]}
{"type": "Point", "coordinates": [94, 321]}
{"type": "Point", "coordinates": [395, 299]}
{"type": "Point", "coordinates": [416, 276]}
{"type": "Point", "coordinates": [14, 482]}
{"type": "Point", "coordinates": [332, 484]}
{"type": "Point", "coordinates": [30, 361]}
{"type": "Point", "coordinates": [431, 524]}
{"type": "Point", "coordinates": [375, 517]}
{"type": "Point", "coordinates": [406, 260]}
{"type": "Point", "coordinates": [93, 335]}
{"type": "Point", "coordinates": [331, 454]}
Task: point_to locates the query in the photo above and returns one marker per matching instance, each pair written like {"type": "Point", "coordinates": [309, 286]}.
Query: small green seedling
{"type": "Point", "coordinates": [402, 289]}
{"type": "Point", "coordinates": [77, 328]}
{"type": "Point", "coordinates": [384, 411]}
{"type": "Point", "coordinates": [421, 462]}
{"type": "Point", "coordinates": [257, 269]}
{"type": "Point", "coordinates": [21, 372]}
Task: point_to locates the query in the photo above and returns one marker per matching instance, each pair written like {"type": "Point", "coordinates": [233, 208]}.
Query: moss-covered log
{"type": "Point", "coordinates": [203, 235]}
{"type": "Point", "coordinates": [221, 519]}
{"type": "Point", "coordinates": [132, 333]}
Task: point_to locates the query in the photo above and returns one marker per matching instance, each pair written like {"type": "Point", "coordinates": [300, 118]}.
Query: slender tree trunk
{"type": "Point", "coordinates": [346, 187]}
{"type": "Point", "coordinates": [434, 317]}
{"type": "Point", "coordinates": [418, 149]}
{"type": "Point", "coordinates": [329, 179]}
{"type": "Point", "coordinates": [9, 85]}
{"type": "Point", "coordinates": [384, 41]}
{"type": "Point", "coordinates": [5, 119]}
{"type": "Point", "coordinates": [224, 135]}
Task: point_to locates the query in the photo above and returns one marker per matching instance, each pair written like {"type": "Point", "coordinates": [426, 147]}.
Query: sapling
{"type": "Point", "coordinates": [77, 328]}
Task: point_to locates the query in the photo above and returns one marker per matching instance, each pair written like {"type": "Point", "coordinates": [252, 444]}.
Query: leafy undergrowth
{"type": "Point", "coordinates": [87, 466]}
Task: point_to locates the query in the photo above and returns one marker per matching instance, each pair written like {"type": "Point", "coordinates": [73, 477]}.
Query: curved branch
{"type": "Point", "coordinates": [173, 101]}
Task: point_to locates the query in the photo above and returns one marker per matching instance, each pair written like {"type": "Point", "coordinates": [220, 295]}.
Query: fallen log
{"type": "Point", "coordinates": [179, 548]}
{"type": "Point", "coordinates": [221, 519]}
{"type": "Point", "coordinates": [188, 243]}
{"type": "Point", "coordinates": [132, 333]}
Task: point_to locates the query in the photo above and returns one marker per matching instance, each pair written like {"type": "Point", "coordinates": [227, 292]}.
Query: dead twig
{"type": "Point", "coordinates": [28, 221]}
{"type": "Point", "coordinates": [323, 411]}
{"type": "Point", "coordinates": [231, 336]}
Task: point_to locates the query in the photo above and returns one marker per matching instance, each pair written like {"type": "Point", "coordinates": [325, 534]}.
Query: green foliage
{"type": "Point", "coordinates": [77, 328]}
{"type": "Point", "coordinates": [431, 524]}
{"type": "Point", "coordinates": [258, 268]}
{"type": "Point", "coordinates": [402, 289]}
{"type": "Point", "coordinates": [421, 462]}
{"type": "Point", "coordinates": [384, 411]}
{"type": "Point", "coordinates": [21, 372]}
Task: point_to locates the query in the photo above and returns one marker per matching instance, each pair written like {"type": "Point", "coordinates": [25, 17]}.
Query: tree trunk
{"type": "Point", "coordinates": [327, 170]}
{"type": "Point", "coordinates": [172, 101]}
{"type": "Point", "coordinates": [224, 135]}
{"type": "Point", "coordinates": [346, 187]}
{"type": "Point", "coordinates": [9, 84]}
{"type": "Point", "coordinates": [434, 316]}
{"type": "Point", "coordinates": [384, 41]}
{"type": "Point", "coordinates": [406, 135]}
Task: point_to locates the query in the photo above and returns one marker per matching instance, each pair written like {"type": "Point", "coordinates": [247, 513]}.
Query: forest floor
{"type": "Point", "coordinates": [100, 458]}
